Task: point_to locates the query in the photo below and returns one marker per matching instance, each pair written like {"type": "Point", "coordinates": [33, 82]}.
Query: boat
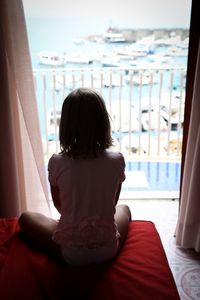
{"type": "Point", "coordinates": [156, 108]}
{"type": "Point", "coordinates": [128, 53]}
{"type": "Point", "coordinates": [51, 58]}
{"type": "Point", "coordinates": [79, 59]}
{"type": "Point", "coordinates": [53, 122]}
{"type": "Point", "coordinates": [106, 79]}
{"type": "Point", "coordinates": [114, 38]}
{"type": "Point", "coordinates": [152, 65]}
{"type": "Point", "coordinates": [113, 35]}
{"type": "Point", "coordinates": [120, 117]}
{"type": "Point", "coordinates": [177, 51]}
{"type": "Point", "coordinates": [109, 62]}
{"type": "Point", "coordinates": [146, 79]}
{"type": "Point", "coordinates": [171, 41]}
{"type": "Point", "coordinates": [60, 82]}
{"type": "Point", "coordinates": [160, 58]}
{"type": "Point", "coordinates": [144, 144]}
{"type": "Point", "coordinates": [151, 121]}
{"type": "Point", "coordinates": [115, 81]}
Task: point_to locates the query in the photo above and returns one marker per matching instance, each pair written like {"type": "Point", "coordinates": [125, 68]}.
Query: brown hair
{"type": "Point", "coordinates": [85, 126]}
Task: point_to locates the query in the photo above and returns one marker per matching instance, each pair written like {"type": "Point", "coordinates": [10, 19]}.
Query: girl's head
{"type": "Point", "coordinates": [85, 126]}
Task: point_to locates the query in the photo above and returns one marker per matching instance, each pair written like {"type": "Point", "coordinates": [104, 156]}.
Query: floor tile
{"type": "Point", "coordinates": [192, 293]}
{"type": "Point", "coordinates": [177, 255]}
{"type": "Point", "coordinates": [186, 275]}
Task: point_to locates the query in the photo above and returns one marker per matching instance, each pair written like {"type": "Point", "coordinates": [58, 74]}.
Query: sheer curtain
{"type": "Point", "coordinates": [23, 183]}
{"type": "Point", "coordinates": [188, 228]}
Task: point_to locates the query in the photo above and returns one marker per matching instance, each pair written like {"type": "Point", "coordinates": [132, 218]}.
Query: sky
{"type": "Point", "coordinates": [123, 13]}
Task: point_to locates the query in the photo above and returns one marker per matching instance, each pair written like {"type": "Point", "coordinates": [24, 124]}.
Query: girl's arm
{"type": "Point", "coordinates": [117, 194]}
{"type": "Point", "coordinates": [56, 197]}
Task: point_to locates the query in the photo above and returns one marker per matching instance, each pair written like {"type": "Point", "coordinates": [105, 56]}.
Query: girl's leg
{"type": "Point", "coordinates": [40, 229]}
{"type": "Point", "coordinates": [122, 218]}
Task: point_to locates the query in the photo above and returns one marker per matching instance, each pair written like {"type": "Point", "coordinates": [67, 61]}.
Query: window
{"type": "Point", "coordinates": [136, 56]}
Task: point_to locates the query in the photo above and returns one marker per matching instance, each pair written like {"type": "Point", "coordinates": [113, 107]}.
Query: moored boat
{"type": "Point", "coordinates": [79, 59]}
{"type": "Point", "coordinates": [51, 58]}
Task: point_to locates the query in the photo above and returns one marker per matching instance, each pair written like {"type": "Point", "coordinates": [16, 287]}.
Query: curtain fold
{"type": "Point", "coordinates": [23, 183]}
{"type": "Point", "coordinates": [188, 227]}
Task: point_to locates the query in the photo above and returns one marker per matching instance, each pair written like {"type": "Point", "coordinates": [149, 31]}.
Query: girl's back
{"type": "Point", "coordinates": [88, 189]}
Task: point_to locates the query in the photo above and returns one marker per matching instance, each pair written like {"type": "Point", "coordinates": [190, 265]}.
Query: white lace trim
{"type": "Point", "coordinates": [90, 232]}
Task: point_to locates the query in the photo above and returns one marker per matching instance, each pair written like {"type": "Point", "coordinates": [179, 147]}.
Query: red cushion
{"type": "Point", "coordinates": [140, 271]}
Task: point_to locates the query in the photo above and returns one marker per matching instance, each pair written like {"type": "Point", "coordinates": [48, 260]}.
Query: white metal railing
{"type": "Point", "coordinates": [146, 107]}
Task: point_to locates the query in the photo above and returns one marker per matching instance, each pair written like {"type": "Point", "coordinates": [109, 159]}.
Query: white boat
{"type": "Point", "coordinates": [114, 35]}
{"type": "Point", "coordinates": [160, 58]}
{"type": "Point", "coordinates": [144, 144]}
{"type": "Point", "coordinates": [53, 122]}
{"type": "Point", "coordinates": [168, 110]}
{"type": "Point", "coordinates": [184, 44]}
{"type": "Point", "coordinates": [64, 81]}
{"type": "Point", "coordinates": [51, 58]}
{"type": "Point", "coordinates": [120, 117]}
{"type": "Point", "coordinates": [110, 62]}
{"type": "Point", "coordinates": [106, 79]}
{"type": "Point", "coordinates": [147, 40]}
{"type": "Point", "coordinates": [131, 53]}
{"type": "Point", "coordinates": [144, 80]}
{"type": "Point", "coordinates": [171, 41]}
{"type": "Point", "coordinates": [138, 65]}
{"type": "Point", "coordinates": [151, 121]}
{"type": "Point", "coordinates": [114, 38]}
{"type": "Point", "coordinates": [176, 51]}
{"type": "Point", "coordinates": [79, 59]}
{"type": "Point", "coordinates": [115, 81]}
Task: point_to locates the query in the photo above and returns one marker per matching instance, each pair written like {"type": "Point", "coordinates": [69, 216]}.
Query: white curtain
{"type": "Point", "coordinates": [188, 227]}
{"type": "Point", "coordinates": [23, 184]}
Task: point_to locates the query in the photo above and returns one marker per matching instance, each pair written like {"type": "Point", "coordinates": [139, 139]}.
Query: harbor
{"type": "Point", "coordinates": [121, 48]}
{"type": "Point", "coordinates": [143, 84]}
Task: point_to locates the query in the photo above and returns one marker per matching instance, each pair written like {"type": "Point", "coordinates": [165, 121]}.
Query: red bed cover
{"type": "Point", "coordinates": [140, 272]}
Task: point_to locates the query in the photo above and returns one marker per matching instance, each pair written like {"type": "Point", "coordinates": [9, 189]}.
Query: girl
{"type": "Point", "coordinates": [85, 180]}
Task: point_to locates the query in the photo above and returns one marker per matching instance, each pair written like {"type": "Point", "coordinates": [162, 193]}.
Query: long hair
{"type": "Point", "coordinates": [85, 129]}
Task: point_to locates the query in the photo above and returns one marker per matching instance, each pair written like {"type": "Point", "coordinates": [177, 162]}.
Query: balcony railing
{"type": "Point", "coordinates": [146, 107]}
